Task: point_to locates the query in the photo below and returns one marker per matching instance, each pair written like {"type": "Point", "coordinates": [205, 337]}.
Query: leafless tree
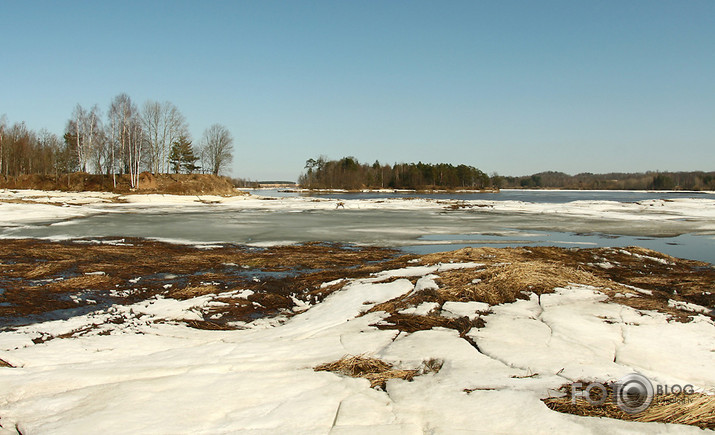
{"type": "Point", "coordinates": [51, 144]}
{"type": "Point", "coordinates": [3, 124]}
{"type": "Point", "coordinates": [163, 124]}
{"type": "Point", "coordinates": [217, 145]}
{"type": "Point", "coordinates": [86, 130]}
{"type": "Point", "coordinates": [125, 135]}
{"type": "Point", "coordinates": [77, 124]}
{"type": "Point", "coordinates": [94, 135]}
{"type": "Point", "coordinates": [99, 154]}
{"type": "Point", "coordinates": [135, 141]}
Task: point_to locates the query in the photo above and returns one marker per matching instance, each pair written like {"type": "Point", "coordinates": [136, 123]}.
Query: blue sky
{"type": "Point", "coordinates": [509, 87]}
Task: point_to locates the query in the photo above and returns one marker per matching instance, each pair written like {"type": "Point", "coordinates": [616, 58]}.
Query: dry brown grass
{"type": "Point", "coordinates": [41, 270]}
{"type": "Point", "coordinates": [508, 274]}
{"type": "Point", "coordinates": [83, 282]}
{"type": "Point", "coordinates": [413, 323]}
{"type": "Point", "coordinates": [229, 267]}
{"type": "Point", "coordinates": [193, 291]}
{"type": "Point", "coordinates": [208, 325]}
{"type": "Point", "coordinates": [508, 282]}
{"type": "Point", "coordinates": [511, 272]}
{"type": "Point", "coordinates": [695, 409]}
{"type": "Point", "coordinates": [176, 184]}
{"type": "Point", "coordinates": [496, 284]}
{"type": "Point", "coordinates": [378, 372]}
{"type": "Point", "coordinates": [6, 364]}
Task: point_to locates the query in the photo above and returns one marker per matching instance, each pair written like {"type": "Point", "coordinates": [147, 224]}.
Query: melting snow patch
{"type": "Point", "coordinates": [181, 379]}
{"type": "Point", "coordinates": [695, 308]}
{"type": "Point", "coordinates": [422, 309]}
{"type": "Point", "coordinates": [464, 309]}
{"type": "Point", "coordinates": [426, 283]}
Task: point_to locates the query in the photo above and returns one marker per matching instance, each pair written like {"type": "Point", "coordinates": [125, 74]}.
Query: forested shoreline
{"type": "Point", "coordinates": [349, 174]}
{"type": "Point", "coordinates": [693, 180]}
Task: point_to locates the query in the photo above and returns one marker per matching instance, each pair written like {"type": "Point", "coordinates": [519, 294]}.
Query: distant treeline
{"type": "Point", "coordinates": [348, 173]}
{"type": "Point", "coordinates": [696, 180]}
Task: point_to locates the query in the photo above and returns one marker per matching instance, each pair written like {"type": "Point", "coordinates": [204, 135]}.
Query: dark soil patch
{"type": "Point", "coordinates": [41, 277]}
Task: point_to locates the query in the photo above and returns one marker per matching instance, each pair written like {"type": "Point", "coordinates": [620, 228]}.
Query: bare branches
{"type": "Point", "coordinates": [217, 148]}
{"type": "Point", "coordinates": [163, 125]}
{"type": "Point", "coordinates": [127, 141]}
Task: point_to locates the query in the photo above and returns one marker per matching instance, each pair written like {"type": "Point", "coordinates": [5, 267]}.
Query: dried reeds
{"type": "Point", "coordinates": [208, 325]}
{"type": "Point", "coordinates": [44, 269]}
{"type": "Point", "coordinates": [375, 370]}
{"type": "Point", "coordinates": [83, 282]}
{"type": "Point", "coordinates": [193, 291]}
{"type": "Point", "coordinates": [695, 409]}
{"type": "Point", "coordinates": [508, 282]}
{"type": "Point", "coordinates": [413, 323]}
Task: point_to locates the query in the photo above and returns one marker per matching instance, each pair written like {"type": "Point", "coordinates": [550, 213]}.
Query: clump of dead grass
{"type": "Point", "coordinates": [508, 282]}
{"type": "Point", "coordinates": [413, 323]}
{"type": "Point", "coordinates": [44, 269]}
{"type": "Point", "coordinates": [208, 325]}
{"type": "Point", "coordinates": [93, 282]}
{"type": "Point", "coordinates": [193, 291]}
{"type": "Point", "coordinates": [496, 284]}
{"type": "Point", "coordinates": [375, 370]}
{"type": "Point", "coordinates": [696, 409]}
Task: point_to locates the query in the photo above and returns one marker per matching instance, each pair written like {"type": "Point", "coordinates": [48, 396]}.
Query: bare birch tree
{"type": "Point", "coordinates": [125, 137]}
{"type": "Point", "coordinates": [217, 146]}
{"type": "Point", "coordinates": [85, 129]}
{"type": "Point", "coordinates": [3, 124]}
{"type": "Point", "coordinates": [92, 129]}
{"type": "Point", "coordinates": [78, 118]}
{"type": "Point", "coordinates": [135, 142]}
{"type": "Point", "coordinates": [163, 124]}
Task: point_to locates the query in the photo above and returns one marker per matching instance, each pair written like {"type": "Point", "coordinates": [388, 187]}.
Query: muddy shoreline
{"type": "Point", "coordinates": [48, 280]}
{"type": "Point", "coordinates": [44, 280]}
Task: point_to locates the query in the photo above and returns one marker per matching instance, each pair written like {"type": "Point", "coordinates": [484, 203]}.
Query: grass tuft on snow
{"type": "Point", "coordinates": [696, 409]}
{"type": "Point", "coordinates": [375, 370]}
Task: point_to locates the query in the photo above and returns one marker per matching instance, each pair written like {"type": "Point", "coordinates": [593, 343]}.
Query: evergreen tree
{"type": "Point", "coordinates": [182, 156]}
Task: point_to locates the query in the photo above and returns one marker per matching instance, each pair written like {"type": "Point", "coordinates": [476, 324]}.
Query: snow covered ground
{"type": "Point", "coordinates": [140, 369]}
{"type": "Point", "coordinates": [149, 373]}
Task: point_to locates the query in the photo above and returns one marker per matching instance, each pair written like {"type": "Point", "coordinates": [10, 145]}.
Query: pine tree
{"type": "Point", "coordinates": [182, 156]}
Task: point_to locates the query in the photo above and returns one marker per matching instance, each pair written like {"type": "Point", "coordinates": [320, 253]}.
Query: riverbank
{"type": "Point", "coordinates": [474, 339]}
{"type": "Point", "coordinates": [174, 184]}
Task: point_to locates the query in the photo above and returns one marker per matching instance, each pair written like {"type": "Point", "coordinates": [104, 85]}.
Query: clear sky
{"type": "Point", "coordinates": [513, 87]}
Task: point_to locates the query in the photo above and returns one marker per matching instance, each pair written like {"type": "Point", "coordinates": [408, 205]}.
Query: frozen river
{"type": "Point", "coordinates": [679, 224]}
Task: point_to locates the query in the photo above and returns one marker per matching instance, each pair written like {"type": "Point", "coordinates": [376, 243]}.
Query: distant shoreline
{"type": "Point", "coordinates": [320, 191]}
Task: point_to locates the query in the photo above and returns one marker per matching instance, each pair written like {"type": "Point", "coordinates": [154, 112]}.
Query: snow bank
{"type": "Point", "coordinates": [151, 374]}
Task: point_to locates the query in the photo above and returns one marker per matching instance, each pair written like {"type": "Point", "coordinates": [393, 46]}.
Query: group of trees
{"type": "Point", "coordinates": [128, 140]}
{"type": "Point", "coordinates": [695, 180]}
{"type": "Point", "coordinates": [348, 173]}
{"type": "Point", "coordinates": [24, 151]}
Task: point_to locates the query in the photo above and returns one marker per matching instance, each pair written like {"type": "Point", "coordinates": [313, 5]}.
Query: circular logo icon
{"type": "Point", "coordinates": [634, 393]}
